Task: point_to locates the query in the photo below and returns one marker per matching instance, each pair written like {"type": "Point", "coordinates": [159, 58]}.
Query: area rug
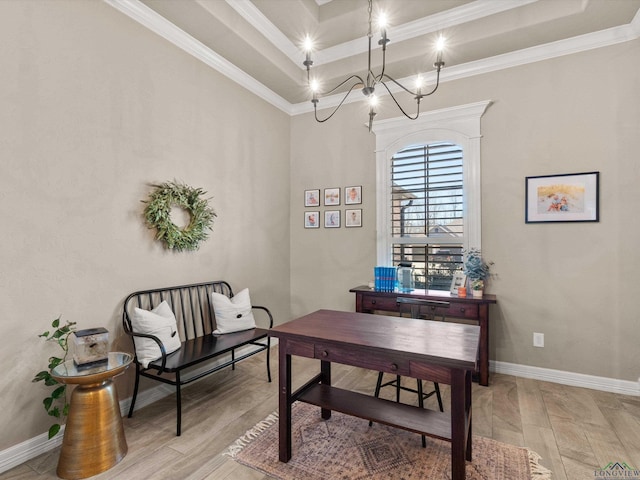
{"type": "Point", "coordinates": [345, 447]}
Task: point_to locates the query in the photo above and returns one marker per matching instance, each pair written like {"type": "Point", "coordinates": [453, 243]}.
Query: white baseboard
{"type": "Point", "coordinates": [25, 451]}
{"type": "Point", "coordinates": [22, 452]}
{"type": "Point", "coordinates": [613, 385]}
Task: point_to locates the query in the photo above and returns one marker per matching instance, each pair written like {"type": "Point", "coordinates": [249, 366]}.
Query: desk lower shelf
{"type": "Point", "coordinates": [407, 417]}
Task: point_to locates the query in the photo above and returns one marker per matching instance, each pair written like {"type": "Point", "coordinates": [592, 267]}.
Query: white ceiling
{"type": "Point", "coordinates": [258, 42]}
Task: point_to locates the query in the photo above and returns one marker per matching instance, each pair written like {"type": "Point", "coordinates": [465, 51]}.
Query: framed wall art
{"type": "Point", "coordinates": [311, 219]}
{"type": "Point", "coordinates": [353, 218]}
{"type": "Point", "coordinates": [352, 195]}
{"type": "Point", "coordinates": [332, 219]}
{"type": "Point", "coordinates": [311, 198]}
{"type": "Point", "coordinates": [572, 197]}
{"type": "Point", "coordinates": [332, 196]}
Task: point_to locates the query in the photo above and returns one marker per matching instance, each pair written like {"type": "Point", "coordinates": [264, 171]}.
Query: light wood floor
{"type": "Point", "coordinates": [575, 430]}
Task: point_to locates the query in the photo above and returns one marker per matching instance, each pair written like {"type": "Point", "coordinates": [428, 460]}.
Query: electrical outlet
{"type": "Point", "coordinates": [538, 339]}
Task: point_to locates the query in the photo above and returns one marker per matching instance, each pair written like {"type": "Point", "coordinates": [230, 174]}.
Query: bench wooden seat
{"type": "Point", "coordinates": [192, 307]}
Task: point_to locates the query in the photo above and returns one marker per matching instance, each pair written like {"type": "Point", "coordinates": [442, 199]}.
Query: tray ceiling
{"type": "Point", "coordinates": [258, 42]}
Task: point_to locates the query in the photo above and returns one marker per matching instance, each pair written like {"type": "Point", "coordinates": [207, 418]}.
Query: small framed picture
{"type": "Point", "coordinates": [332, 196]}
{"type": "Point", "coordinates": [353, 218]}
{"type": "Point", "coordinates": [459, 280]}
{"type": "Point", "coordinates": [311, 198]}
{"type": "Point", "coordinates": [570, 197]}
{"type": "Point", "coordinates": [353, 195]}
{"type": "Point", "coordinates": [311, 219]}
{"type": "Point", "coordinates": [332, 219]}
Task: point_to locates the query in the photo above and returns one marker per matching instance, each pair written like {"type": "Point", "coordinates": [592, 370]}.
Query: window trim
{"type": "Point", "coordinates": [459, 125]}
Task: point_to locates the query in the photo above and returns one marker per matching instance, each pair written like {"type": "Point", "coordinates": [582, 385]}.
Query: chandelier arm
{"type": "Point", "coordinates": [315, 106]}
{"type": "Point", "coordinates": [378, 79]}
{"type": "Point", "coordinates": [398, 84]}
{"type": "Point", "coordinates": [400, 107]}
{"type": "Point", "coordinates": [415, 93]}
{"type": "Point", "coordinates": [358, 77]}
{"type": "Point", "coordinates": [436, 85]}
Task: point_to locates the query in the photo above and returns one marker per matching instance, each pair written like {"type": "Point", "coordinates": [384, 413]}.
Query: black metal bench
{"type": "Point", "coordinates": [193, 309]}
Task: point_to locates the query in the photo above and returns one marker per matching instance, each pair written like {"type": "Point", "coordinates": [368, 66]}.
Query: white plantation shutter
{"type": "Point", "coordinates": [427, 207]}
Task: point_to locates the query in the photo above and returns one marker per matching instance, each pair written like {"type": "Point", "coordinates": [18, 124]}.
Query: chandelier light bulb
{"type": "Point", "coordinates": [439, 48]}
{"type": "Point", "coordinates": [382, 20]}
{"type": "Point", "coordinates": [315, 86]}
{"type": "Point", "coordinates": [307, 44]}
{"type": "Point", "coordinates": [419, 82]}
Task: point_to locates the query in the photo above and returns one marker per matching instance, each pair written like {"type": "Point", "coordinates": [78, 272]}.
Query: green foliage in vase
{"type": "Point", "coordinates": [56, 403]}
{"type": "Point", "coordinates": [476, 269]}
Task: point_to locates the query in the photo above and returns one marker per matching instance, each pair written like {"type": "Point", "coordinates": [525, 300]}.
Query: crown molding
{"type": "Point", "coordinates": [433, 23]}
{"type": "Point", "coordinates": [142, 14]}
{"type": "Point", "coordinates": [581, 43]}
{"type": "Point", "coordinates": [423, 26]}
{"type": "Point", "coordinates": [256, 18]}
{"type": "Point", "coordinates": [139, 12]}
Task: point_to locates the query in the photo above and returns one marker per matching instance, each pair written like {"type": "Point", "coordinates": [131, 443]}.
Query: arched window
{"type": "Point", "coordinates": [428, 191]}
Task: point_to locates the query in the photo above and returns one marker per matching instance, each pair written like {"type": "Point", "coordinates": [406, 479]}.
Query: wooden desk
{"type": "Point", "coordinates": [468, 308]}
{"type": "Point", "coordinates": [435, 351]}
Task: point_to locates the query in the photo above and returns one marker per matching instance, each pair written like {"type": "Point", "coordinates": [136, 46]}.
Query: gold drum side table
{"type": "Point", "coordinates": [94, 438]}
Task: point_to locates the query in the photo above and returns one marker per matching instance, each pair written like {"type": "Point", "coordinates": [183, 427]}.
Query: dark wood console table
{"type": "Point", "coordinates": [436, 351]}
{"type": "Point", "coordinates": [469, 308]}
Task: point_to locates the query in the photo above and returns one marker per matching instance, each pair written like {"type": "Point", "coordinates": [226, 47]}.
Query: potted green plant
{"type": "Point", "coordinates": [477, 271]}
{"type": "Point", "coordinates": [56, 403]}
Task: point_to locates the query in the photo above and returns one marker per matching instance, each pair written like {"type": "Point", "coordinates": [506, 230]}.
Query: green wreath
{"type": "Point", "coordinates": [158, 215]}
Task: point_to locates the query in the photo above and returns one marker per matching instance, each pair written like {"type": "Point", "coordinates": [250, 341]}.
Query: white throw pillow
{"type": "Point", "coordinates": [232, 314]}
{"type": "Point", "coordinates": [159, 322]}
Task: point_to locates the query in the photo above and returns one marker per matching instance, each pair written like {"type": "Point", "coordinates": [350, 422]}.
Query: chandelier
{"type": "Point", "coordinates": [371, 81]}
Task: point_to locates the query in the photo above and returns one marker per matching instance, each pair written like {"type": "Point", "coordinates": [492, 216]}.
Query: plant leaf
{"type": "Point", "coordinates": [59, 392]}
{"type": "Point", "coordinates": [40, 376]}
{"type": "Point", "coordinates": [53, 430]}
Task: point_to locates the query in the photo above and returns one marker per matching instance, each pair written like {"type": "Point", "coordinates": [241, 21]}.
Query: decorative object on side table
{"type": "Point", "coordinates": [58, 398]}
{"type": "Point", "coordinates": [91, 347]}
{"type": "Point", "coordinates": [477, 271]}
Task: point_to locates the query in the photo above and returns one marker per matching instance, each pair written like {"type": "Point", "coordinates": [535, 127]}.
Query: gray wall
{"type": "Point", "coordinates": [94, 109]}
{"type": "Point", "coordinates": [572, 282]}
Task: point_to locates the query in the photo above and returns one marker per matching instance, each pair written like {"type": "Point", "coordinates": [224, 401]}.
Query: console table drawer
{"type": "Point", "coordinates": [463, 310]}
{"type": "Point", "coordinates": [355, 357]}
{"type": "Point", "coordinates": [387, 304]}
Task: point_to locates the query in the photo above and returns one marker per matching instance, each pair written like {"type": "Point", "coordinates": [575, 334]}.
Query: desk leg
{"type": "Point", "coordinates": [325, 379]}
{"type": "Point", "coordinates": [483, 321]}
{"type": "Point", "coordinates": [284, 402]}
{"type": "Point", "coordinates": [460, 422]}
